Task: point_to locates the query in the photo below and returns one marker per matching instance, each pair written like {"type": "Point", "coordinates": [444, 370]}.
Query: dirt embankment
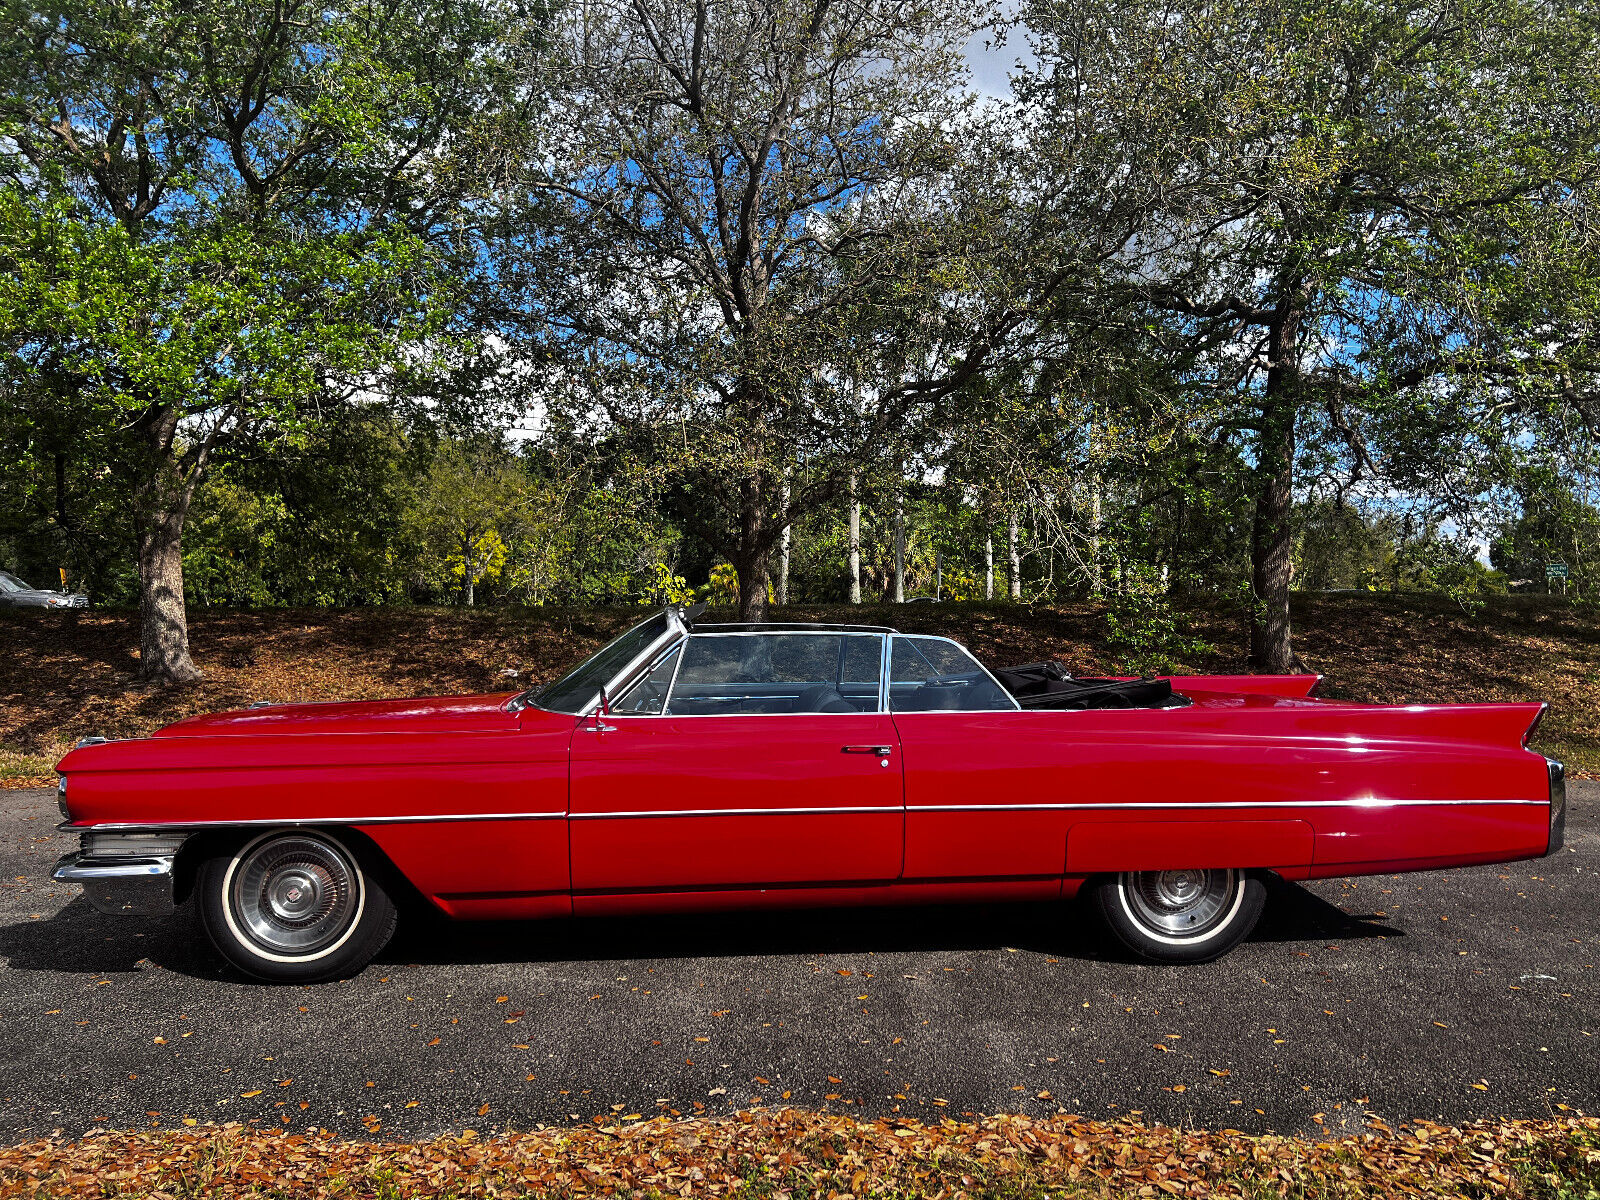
{"type": "Point", "coordinates": [63, 676]}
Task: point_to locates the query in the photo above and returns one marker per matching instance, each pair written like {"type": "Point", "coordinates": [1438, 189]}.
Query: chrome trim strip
{"type": "Point", "coordinates": [736, 812]}
{"type": "Point", "coordinates": [682, 651]}
{"type": "Point", "coordinates": [1168, 805]}
{"type": "Point", "coordinates": [293, 821]}
{"type": "Point", "coordinates": [1199, 805]}
{"type": "Point", "coordinates": [885, 660]}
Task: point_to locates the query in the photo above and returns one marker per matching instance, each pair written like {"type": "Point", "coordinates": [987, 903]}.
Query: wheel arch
{"type": "Point", "coordinates": [210, 842]}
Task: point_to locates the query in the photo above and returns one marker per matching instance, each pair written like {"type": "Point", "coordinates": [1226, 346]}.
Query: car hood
{"type": "Point", "coordinates": [421, 714]}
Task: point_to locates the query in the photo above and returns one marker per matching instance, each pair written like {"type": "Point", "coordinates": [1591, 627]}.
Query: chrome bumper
{"type": "Point", "coordinates": [139, 887]}
{"type": "Point", "coordinates": [1558, 806]}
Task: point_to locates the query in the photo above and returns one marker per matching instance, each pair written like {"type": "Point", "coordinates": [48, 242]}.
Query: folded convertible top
{"type": "Point", "coordinates": [1051, 685]}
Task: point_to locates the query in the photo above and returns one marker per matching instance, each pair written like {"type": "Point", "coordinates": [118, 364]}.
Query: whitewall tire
{"type": "Point", "coordinates": [295, 906]}
{"type": "Point", "coordinates": [1184, 916]}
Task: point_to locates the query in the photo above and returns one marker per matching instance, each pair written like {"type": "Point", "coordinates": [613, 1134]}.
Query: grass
{"type": "Point", "coordinates": [63, 676]}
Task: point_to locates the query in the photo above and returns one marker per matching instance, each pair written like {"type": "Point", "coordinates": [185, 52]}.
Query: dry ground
{"type": "Point", "coordinates": [63, 676]}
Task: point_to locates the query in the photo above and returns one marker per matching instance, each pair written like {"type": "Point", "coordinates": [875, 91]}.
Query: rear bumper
{"type": "Point", "coordinates": [1558, 806]}
{"type": "Point", "coordinates": [139, 887]}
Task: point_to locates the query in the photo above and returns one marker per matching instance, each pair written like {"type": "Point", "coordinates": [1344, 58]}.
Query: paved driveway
{"type": "Point", "coordinates": [1445, 996]}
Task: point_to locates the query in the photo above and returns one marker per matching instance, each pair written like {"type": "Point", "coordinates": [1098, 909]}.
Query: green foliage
{"type": "Point", "coordinates": [1143, 630]}
{"type": "Point", "coordinates": [472, 498]}
{"type": "Point", "coordinates": [1550, 524]}
{"type": "Point", "coordinates": [723, 586]}
{"type": "Point", "coordinates": [661, 586]}
{"type": "Point", "coordinates": [311, 524]}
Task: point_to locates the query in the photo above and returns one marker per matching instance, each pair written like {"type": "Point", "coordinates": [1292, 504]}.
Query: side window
{"type": "Point", "coordinates": [648, 696]}
{"type": "Point", "coordinates": [929, 675]}
{"type": "Point", "coordinates": [728, 673]}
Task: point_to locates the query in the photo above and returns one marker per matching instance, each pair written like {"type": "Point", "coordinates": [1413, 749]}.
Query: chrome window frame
{"type": "Point", "coordinates": [933, 637]}
{"type": "Point", "coordinates": [713, 632]}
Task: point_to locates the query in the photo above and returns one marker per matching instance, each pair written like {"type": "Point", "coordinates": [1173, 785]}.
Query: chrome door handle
{"type": "Point", "coordinates": [879, 751]}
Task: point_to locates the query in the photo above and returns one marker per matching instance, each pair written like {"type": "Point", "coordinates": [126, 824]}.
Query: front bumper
{"type": "Point", "coordinates": [140, 887]}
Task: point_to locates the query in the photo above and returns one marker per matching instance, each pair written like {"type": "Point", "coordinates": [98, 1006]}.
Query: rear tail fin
{"type": "Point", "coordinates": [1248, 685]}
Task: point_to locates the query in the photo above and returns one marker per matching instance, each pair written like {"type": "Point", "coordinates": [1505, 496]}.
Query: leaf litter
{"type": "Point", "coordinates": [773, 1152]}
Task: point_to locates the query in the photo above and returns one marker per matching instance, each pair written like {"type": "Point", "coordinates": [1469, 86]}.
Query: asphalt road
{"type": "Point", "coordinates": [1446, 996]}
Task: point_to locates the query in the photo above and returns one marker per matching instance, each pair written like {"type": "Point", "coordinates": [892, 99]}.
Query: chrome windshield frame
{"type": "Point", "coordinates": [679, 622]}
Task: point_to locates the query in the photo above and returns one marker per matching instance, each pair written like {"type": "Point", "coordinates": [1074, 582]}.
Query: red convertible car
{"type": "Point", "coordinates": [694, 766]}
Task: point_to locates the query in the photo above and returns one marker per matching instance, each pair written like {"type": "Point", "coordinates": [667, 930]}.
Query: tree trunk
{"type": "Point", "coordinates": [988, 566]}
{"type": "Point", "coordinates": [899, 548]}
{"type": "Point", "coordinates": [1271, 535]}
{"type": "Point", "coordinates": [855, 542]}
{"type": "Point", "coordinates": [754, 571]}
{"type": "Point", "coordinates": [1015, 555]}
{"type": "Point", "coordinates": [163, 621]}
{"type": "Point", "coordinates": [752, 558]}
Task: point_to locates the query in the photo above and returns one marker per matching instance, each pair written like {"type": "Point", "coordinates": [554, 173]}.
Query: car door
{"type": "Point", "coordinates": [974, 767]}
{"type": "Point", "coordinates": [741, 759]}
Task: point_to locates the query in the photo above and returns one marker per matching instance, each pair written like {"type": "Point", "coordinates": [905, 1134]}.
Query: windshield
{"type": "Point", "coordinates": [576, 690]}
{"type": "Point", "coordinates": [10, 583]}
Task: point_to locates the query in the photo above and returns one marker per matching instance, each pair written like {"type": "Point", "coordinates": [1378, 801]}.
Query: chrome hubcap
{"type": "Point", "coordinates": [1180, 904]}
{"type": "Point", "coordinates": [295, 895]}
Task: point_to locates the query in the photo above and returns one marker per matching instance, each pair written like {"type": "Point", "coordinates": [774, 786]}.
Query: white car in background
{"type": "Point", "coordinates": [16, 594]}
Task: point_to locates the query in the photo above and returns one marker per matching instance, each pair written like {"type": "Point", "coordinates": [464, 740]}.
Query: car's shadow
{"type": "Point", "coordinates": [1292, 914]}
{"type": "Point", "coordinates": [79, 940]}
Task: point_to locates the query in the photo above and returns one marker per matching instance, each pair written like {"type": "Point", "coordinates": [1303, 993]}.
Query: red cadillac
{"type": "Point", "coordinates": [691, 766]}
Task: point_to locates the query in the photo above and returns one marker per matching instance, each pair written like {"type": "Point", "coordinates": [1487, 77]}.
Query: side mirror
{"type": "Point", "coordinates": [605, 703]}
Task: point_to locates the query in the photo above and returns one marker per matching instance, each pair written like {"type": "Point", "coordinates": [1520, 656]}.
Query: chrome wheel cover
{"type": "Point", "coordinates": [294, 896]}
{"type": "Point", "coordinates": [1180, 905]}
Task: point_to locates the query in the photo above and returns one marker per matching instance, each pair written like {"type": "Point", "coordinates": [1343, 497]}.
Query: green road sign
{"type": "Point", "coordinates": [1556, 570]}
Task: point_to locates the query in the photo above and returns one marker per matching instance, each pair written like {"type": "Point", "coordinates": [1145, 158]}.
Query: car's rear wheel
{"type": "Point", "coordinates": [1183, 916]}
{"type": "Point", "coordinates": [295, 906]}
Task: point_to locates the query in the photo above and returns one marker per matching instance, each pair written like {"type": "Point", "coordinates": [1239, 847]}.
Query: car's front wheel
{"type": "Point", "coordinates": [294, 906]}
{"type": "Point", "coordinates": [1183, 916]}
